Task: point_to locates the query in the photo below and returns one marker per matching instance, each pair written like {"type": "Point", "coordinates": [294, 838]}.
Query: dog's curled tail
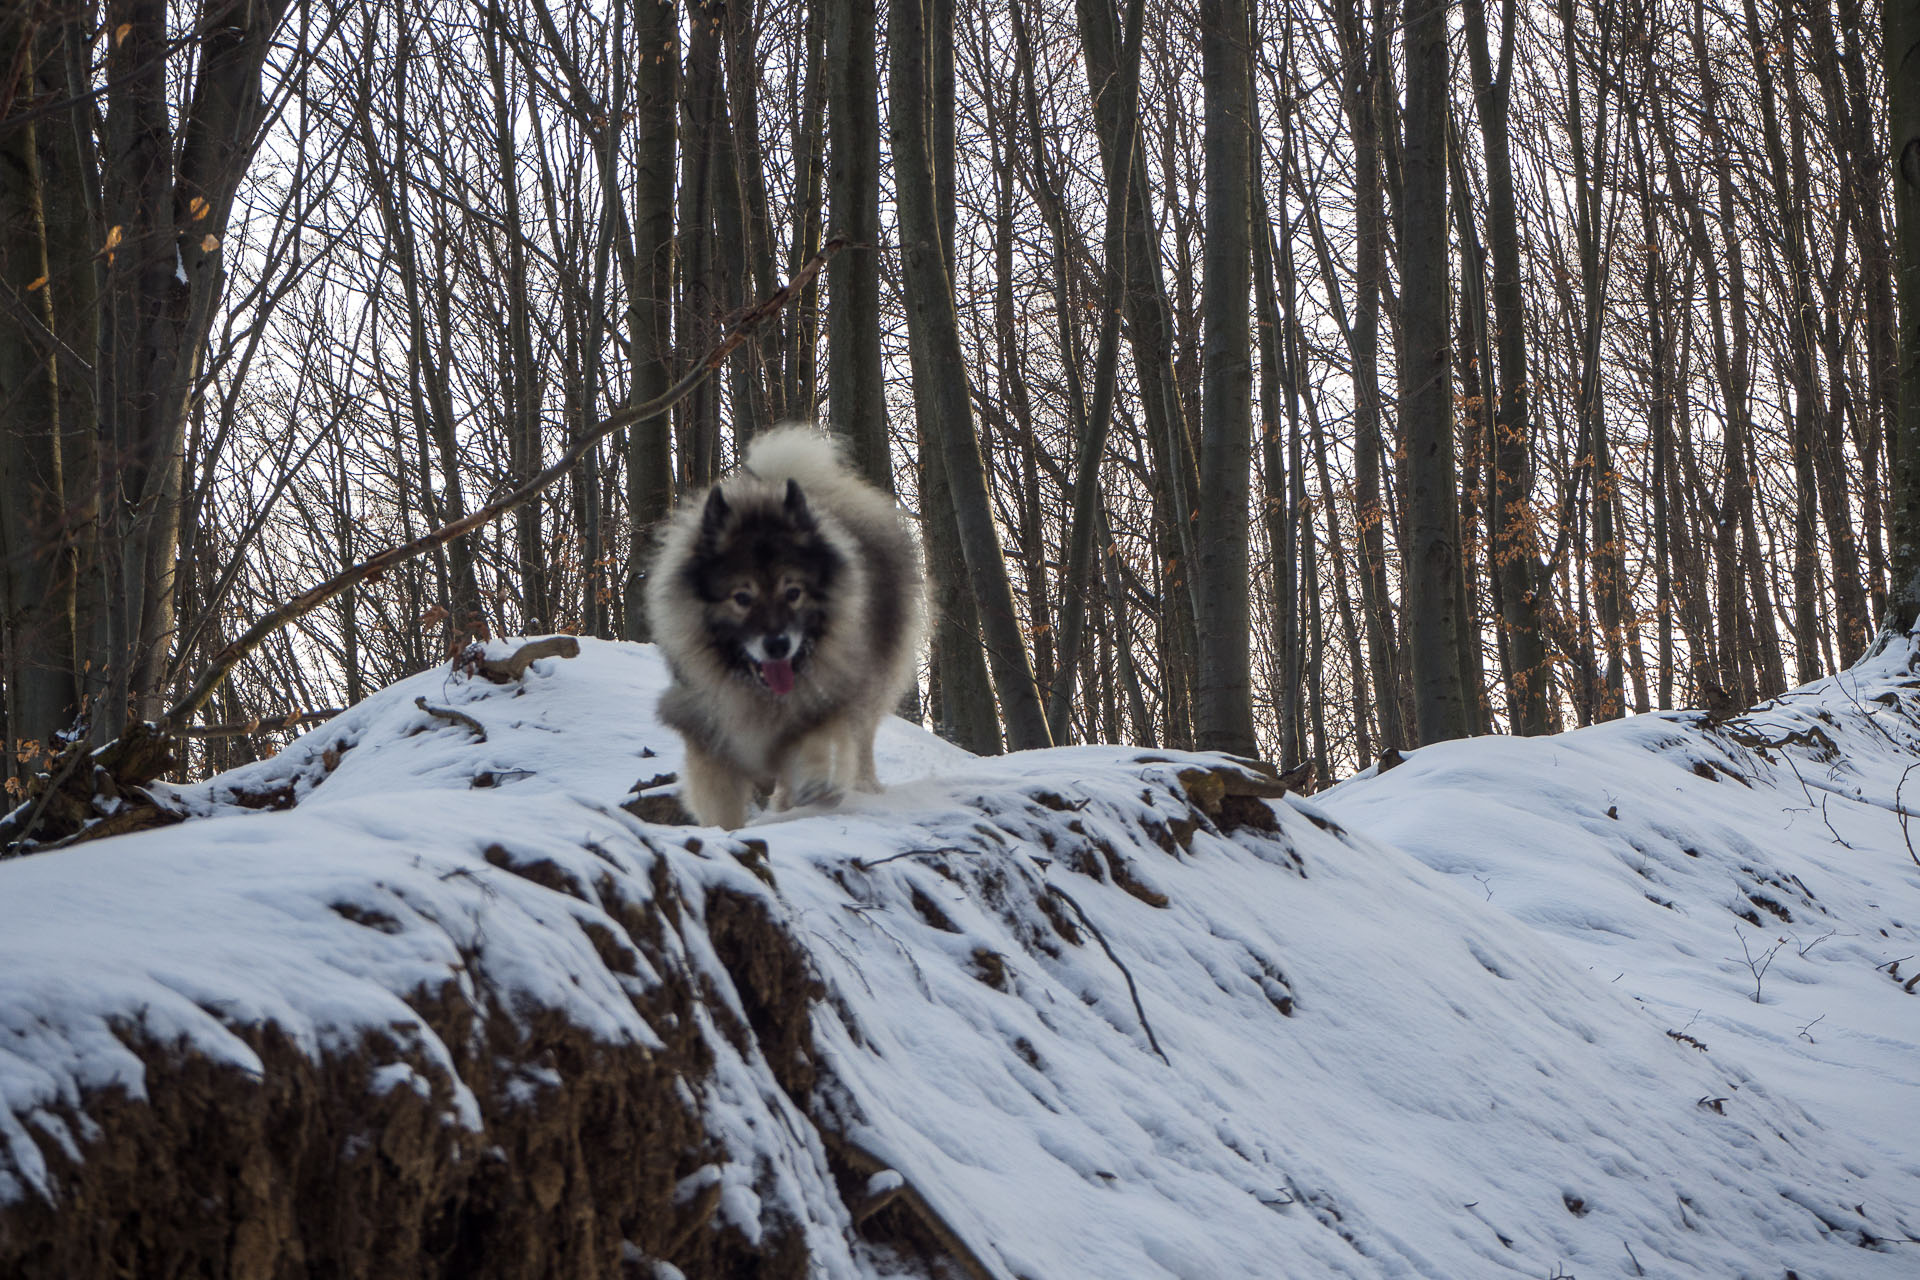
{"type": "Point", "coordinates": [796, 452]}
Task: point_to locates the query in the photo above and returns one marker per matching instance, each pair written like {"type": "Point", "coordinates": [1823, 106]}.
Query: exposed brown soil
{"type": "Point", "coordinates": [310, 1170]}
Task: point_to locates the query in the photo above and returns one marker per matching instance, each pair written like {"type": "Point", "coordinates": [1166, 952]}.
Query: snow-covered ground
{"type": "Point", "coordinates": [1492, 1013]}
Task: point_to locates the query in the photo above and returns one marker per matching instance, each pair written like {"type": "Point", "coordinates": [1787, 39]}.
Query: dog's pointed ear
{"type": "Point", "coordinates": [798, 512]}
{"type": "Point", "coordinates": [715, 515]}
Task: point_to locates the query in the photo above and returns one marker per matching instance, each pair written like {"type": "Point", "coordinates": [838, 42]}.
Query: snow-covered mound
{"type": "Point", "coordinates": [1093, 1012]}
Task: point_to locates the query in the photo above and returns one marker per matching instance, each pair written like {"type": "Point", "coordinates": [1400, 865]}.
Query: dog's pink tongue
{"type": "Point", "coordinates": [778, 673]}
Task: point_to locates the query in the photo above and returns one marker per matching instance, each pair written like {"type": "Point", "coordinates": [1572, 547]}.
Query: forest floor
{"type": "Point", "coordinates": [1637, 1000]}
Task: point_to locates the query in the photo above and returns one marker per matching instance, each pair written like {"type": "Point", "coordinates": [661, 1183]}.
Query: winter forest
{"type": "Point", "coordinates": [1308, 379]}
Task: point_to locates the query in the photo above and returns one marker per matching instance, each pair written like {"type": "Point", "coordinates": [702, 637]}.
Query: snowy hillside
{"type": "Point", "coordinates": [419, 997]}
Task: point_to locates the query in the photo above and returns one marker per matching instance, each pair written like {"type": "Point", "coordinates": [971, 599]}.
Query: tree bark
{"type": "Point", "coordinates": [1510, 521]}
{"type": "Point", "coordinates": [1365, 45]}
{"type": "Point", "coordinates": [1902, 35]}
{"type": "Point", "coordinates": [649, 268]}
{"type": "Point", "coordinates": [36, 583]}
{"type": "Point", "coordinates": [933, 332]}
{"type": "Point", "coordinates": [856, 388]}
{"type": "Point", "coordinates": [1224, 693]}
{"type": "Point", "coordinates": [1124, 87]}
{"type": "Point", "coordinates": [1432, 553]}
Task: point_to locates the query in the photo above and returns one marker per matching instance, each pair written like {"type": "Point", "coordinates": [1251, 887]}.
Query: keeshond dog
{"type": "Point", "coordinates": [789, 604]}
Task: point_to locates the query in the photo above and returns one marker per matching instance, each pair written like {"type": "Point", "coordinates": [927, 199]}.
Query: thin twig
{"type": "Point", "coordinates": [1126, 973]}
{"type": "Point", "coordinates": [224, 661]}
{"type": "Point", "coordinates": [1901, 810]}
{"type": "Point", "coordinates": [865, 865]}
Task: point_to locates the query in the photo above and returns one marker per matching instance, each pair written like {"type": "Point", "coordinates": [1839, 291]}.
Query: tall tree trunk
{"type": "Point", "coordinates": [1510, 524]}
{"type": "Point", "coordinates": [799, 360]}
{"type": "Point", "coordinates": [69, 162]}
{"type": "Point", "coordinates": [748, 154]}
{"type": "Point", "coordinates": [1357, 653]}
{"type": "Point", "coordinates": [520, 376]}
{"type": "Point", "coordinates": [426, 386]}
{"type": "Point", "coordinates": [1099, 416]}
{"type": "Point", "coordinates": [649, 268]}
{"type": "Point", "coordinates": [933, 332]}
{"type": "Point", "coordinates": [1902, 34]}
{"type": "Point", "coordinates": [1365, 44]}
{"type": "Point", "coordinates": [1757, 663]}
{"type": "Point", "coordinates": [1589, 174]}
{"type": "Point", "coordinates": [1281, 453]}
{"type": "Point", "coordinates": [1010, 357]}
{"type": "Point", "coordinates": [963, 687]}
{"type": "Point", "coordinates": [856, 388]}
{"type": "Point", "coordinates": [1431, 556]}
{"type": "Point", "coordinates": [1150, 337]}
{"type": "Point", "coordinates": [1224, 694]}
{"type": "Point", "coordinates": [1854, 108]}
{"type": "Point", "coordinates": [36, 584]}
{"type": "Point", "coordinates": [700, 302]}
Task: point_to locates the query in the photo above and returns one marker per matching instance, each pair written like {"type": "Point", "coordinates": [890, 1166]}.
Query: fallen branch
{"type": "Point", "coordinates": [452, 717]}
{"type": "Point", "coordinates": [513, 667]}
{"type": "Point", "coordinates": [86, 793]}
{"type": "Point", "coordinates": [224, 661]}
{"type": "Point", "coordinates": [261, 724]}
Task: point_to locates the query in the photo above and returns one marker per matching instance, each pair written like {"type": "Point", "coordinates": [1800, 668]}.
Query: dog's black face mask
{"type": "Point", "coordinates": [764, 577]}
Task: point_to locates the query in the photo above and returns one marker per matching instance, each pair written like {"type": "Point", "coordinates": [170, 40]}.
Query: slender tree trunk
{"type": "Point", "coordinates": [799, 360]}
{"type": "Point", "coordinates": [1150, 337]}
{"type": "Point", "coordinates": [1365, 45]}
{"type": "Point", "coordinates": [700, 302]}
{"type": "Point", "coordinates": [649, 265]}
{"type": "Point", "coordinates": [856, 388]}
{"type": "Point", "coordinates": [428, 398]}
{"type": "Point", "coordinates": [1902, 33]}
{"type": "Point", "coordinates": [36, 584]}
{"type": "Point", "coordinates": [1010, 356]}
{"type": "Point", "coordinates": [1432, 553]}
{"type": "Point", "coordinates": [520, 377]}
{"type": "Point", "coordinates": [1280, 457]}
{"type": "Point", "coordinates": [1224, 701]}
{"type": "Point", "coordinates": [1099, 416]}
{"type": "Point", "coordinates": [1510, 522]}
{"type": "Point", "coordinates": [1472, 359]}
{"type": "Point", "coordinates": [1357, 653]}
{"type": "Point", "coordinates": [750, 165]}
{"type": "Point", "coordinates": [940, 363]}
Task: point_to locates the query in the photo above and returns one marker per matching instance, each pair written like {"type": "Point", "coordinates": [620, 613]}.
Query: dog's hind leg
{"type": "Point", "coordinates": [713, 791]}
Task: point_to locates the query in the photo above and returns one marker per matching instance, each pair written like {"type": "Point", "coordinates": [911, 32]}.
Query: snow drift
{"type": "Point", "coordinates": [426, 995]}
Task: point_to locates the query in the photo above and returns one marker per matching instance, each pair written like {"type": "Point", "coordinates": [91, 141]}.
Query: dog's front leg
{"type": "Point", "coordinates": [713, 790]}
{"type": "Point", "coordinates": [860, 746]}
{"type": "Point", "coordinates": [807, 775]}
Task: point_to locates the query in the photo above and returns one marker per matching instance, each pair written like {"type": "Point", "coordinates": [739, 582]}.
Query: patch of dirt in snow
{"type": "Point", "coordinates": [574, 1155]}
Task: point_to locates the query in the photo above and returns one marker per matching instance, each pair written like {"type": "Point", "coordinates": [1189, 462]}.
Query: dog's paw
{"type": "Point", "coordinates": [812, 791]}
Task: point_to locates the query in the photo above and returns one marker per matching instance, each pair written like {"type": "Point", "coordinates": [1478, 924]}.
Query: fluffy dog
{"type": "Point", "coordinates": [789, 604]}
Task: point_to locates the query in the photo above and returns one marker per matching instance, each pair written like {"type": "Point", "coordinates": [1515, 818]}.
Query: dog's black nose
{"type": "Point", "coordinates": [777, 645]}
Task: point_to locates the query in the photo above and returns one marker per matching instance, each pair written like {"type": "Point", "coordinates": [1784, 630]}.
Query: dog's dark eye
{"type": "Point", "coordinates": [793, 595]}
{"type": "Point", "coordinates": [743, 599]}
